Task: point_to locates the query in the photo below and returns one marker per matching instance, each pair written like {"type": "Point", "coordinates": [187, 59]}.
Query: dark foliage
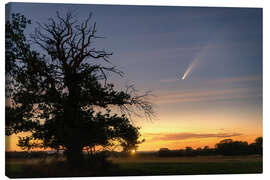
{"type": "Point", "coordinates": [257, 146]}
{"type": "Point", "coordinates": [229, 147]}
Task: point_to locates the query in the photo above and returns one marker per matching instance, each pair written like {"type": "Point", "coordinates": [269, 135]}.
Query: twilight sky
{"type": "Point", "coordinates": [221, 96]}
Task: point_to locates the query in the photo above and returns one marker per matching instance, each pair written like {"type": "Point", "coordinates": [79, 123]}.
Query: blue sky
{"type": "Point", "coordinates": [152, 37]}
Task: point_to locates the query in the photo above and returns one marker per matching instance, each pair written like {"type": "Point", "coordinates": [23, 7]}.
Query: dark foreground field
{"type": "Point", "coordinates": [139, 166]}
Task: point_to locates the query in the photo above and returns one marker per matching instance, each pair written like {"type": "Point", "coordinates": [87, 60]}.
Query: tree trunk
{"type": "Point", "coordinates": [75, 156]}
{"type": "Point", "coordinates": [91, 150]}
{"type": "Point", "coordinates": [74, 150]}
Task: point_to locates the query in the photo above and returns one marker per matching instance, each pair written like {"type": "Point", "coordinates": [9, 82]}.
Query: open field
{"type": "Point", "coordinates": [195, 159]}
{"type": "Point", "coordinates": [141, 166]}
{"type": "Point", "coordinates": [189, 165]}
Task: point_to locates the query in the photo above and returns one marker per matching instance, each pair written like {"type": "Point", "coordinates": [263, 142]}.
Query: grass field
{"type": "Point", "coordinates": [189, 165]}
{"type": "Point", "coordinates": [141, 166]}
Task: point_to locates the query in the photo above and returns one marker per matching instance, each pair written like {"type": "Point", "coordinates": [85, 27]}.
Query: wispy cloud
{"type": "Point", "coordinates": [205, 95]}
{"type": "Point", "coordinates": [184, 135]}
{"type": "Point", "coordinates": [236, 79]}
{"type": "Point", "coordinates": [218, 80]}
{"type": "Point", "coordinates": [169, 80]}
{"type": "Point", "coordinates": [209, 92]}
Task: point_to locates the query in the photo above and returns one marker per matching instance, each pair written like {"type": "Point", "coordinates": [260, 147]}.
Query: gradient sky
{"type": "Point", "coordinates": [220, 98]}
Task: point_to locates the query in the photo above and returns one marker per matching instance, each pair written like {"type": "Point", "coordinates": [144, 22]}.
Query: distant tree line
{"type": "Point", "coordinates": [226, 147]}
{"type": "Point", "coordinates": [29, 154]}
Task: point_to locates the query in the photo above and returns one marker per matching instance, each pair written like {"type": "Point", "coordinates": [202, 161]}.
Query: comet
{"type": "Point", "coordinates": [197, 60]}
{"type": "Point", "coordinates": [189, 69]}
{"type": "Point", "coordinates": [201, 56]}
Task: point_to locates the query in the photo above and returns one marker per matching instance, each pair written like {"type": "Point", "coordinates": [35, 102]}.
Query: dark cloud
{"type": "Point", "coordinates": [181, 136]}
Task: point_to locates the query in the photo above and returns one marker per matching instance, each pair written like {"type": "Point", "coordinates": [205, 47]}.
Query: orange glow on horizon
{"type": "Point", "coordinates": [198, 118]}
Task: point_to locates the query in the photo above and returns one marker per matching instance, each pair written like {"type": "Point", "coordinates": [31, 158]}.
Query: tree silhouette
{"type": "Point", "coordinates": [57, 84]}
{"type": "Point", "coordinates": [230, 147]}
{"type": "Point", "coordinates": [257, 146]}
